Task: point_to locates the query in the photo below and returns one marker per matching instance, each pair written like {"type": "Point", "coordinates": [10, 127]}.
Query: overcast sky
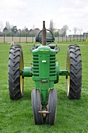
{"type": "Point", "coordinates": [31, 13]}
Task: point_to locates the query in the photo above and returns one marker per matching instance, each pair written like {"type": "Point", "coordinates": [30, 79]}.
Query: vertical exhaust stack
{"type": "Point", "coordinates": [44, 34]}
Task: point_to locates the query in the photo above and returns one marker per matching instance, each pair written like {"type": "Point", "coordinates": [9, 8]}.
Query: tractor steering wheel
{"type": "Point", "coordinates": [48, 39]}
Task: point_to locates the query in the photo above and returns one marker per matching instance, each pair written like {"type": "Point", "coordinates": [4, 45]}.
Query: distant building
{"type": "Point", "coordinates": [85, 34]}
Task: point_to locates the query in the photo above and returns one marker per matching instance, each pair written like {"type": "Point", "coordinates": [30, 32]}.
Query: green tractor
{"type": "Point", "coordinates": [45, 73]}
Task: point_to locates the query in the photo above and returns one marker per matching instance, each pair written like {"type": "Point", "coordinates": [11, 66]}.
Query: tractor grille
{"type": "Point", "coordinates": [35, 65]}
{"type": "Point", "coordinates": [51, 68]}
{"type": "Point", "coordinates": [52, 65]}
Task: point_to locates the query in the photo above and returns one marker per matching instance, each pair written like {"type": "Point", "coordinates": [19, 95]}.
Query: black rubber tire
{"type": "Point", "coordinates": [52, 103]}
{"type": "Point", "coordinates": [74, 65]}
{"type": "Point", "coordinates": [36, 106]}
{"type": "Point", "coordinates": [15, 66]}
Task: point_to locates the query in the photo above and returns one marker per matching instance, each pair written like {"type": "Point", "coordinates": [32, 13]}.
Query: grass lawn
{"type": "Point", "coordinates": [17, 117]}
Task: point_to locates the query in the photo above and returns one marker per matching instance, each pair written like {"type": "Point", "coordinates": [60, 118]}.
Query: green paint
{"type": "Point", "coordinates": [27, 72]}
{"type": "Point", "coordinates": [44, 71]}
{"type": "Point", "coordinates": [64, 73]}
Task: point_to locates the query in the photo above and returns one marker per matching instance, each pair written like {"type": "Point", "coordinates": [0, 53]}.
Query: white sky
{"type": "Point", "coordinates": [31, 13]}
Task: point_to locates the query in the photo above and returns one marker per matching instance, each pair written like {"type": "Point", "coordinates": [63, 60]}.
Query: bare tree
{"type": "Point", "coordinates": [64, 29]}
{"type": "Point", "coordinates": [8, 26]}
{"type": "Point", "coordinates": [1, 25]}
{"type": "Point", "coordinates": [80, 31]}
{"type": "Point", "coordinates": [51, 26]}
{"type": "Point", "coordinates": [75, 30]}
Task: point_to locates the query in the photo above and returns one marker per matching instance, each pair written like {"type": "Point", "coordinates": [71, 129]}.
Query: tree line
{"type": "Point", "coordinates": [9, 30]}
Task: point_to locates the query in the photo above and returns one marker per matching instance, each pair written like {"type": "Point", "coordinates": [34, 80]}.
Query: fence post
{"type": "Point", "coordinates": [73, 37]}
{"type": "Point", "coordinates": [26, 38]}
{"type": "Point", "coordinates": [19, 38]}
{"type": "Point", "coordinates": [4, 38]}
{"type": "Point", "coordinates": [70, 38]}
{"type": "Point", "coordinates": [62, 37]}
{"type": "Point", "coordinates": [32, 38]}
{"type": "Point", "coordinates": [83, 37]}
{"type": "Point", "coordinates": [86, 36]}
{"type": "Point", "coordinates": [12, 37]}
{"type": "Point", "coordinates": [80, 37]}
{"type": "Point", "coordinates": [58, 38]}
{"type": "Point", "coordinates": [66, 38]}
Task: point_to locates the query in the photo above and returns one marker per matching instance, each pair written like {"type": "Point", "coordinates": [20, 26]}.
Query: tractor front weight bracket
{"type": "Point", "coordinates": [64, 73]}
{"type": "Point", "coordinates": [27, 72]}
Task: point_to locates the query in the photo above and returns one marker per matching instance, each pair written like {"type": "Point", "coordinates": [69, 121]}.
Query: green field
{"type": "Point", "coordinates": [17, 117]}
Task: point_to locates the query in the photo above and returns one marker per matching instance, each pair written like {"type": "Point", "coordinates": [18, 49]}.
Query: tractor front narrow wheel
{"type": "Point", "coordinates": [36, 106]}
{"type": "Point", "coordinates": [74, 65]}
{"type": "Point", "coordinates": [51, 107]}
{"type": "Point", "coordinates": [15, 66]}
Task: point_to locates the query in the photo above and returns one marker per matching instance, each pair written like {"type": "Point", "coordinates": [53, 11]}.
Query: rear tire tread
{"type": "Point", "coordinates": [14, 72]}
{"type": "Point", "coordinates": [75, 71]}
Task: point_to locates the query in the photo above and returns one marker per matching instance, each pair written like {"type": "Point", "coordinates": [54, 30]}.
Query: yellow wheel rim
{"type": "Point", "coordinates": [68, 77]}
{"type": "Point", "coordinates": [21, 78]}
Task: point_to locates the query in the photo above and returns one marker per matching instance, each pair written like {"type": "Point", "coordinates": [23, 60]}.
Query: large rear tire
{"type": "Point", "coordinates": [74, 65]}
{"type": "Point", "coordinates": [36, 106]}
{"type": "Point", "coordinates": [52, 103]}
{"type": "Point", "coordinates": [15, 66]}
